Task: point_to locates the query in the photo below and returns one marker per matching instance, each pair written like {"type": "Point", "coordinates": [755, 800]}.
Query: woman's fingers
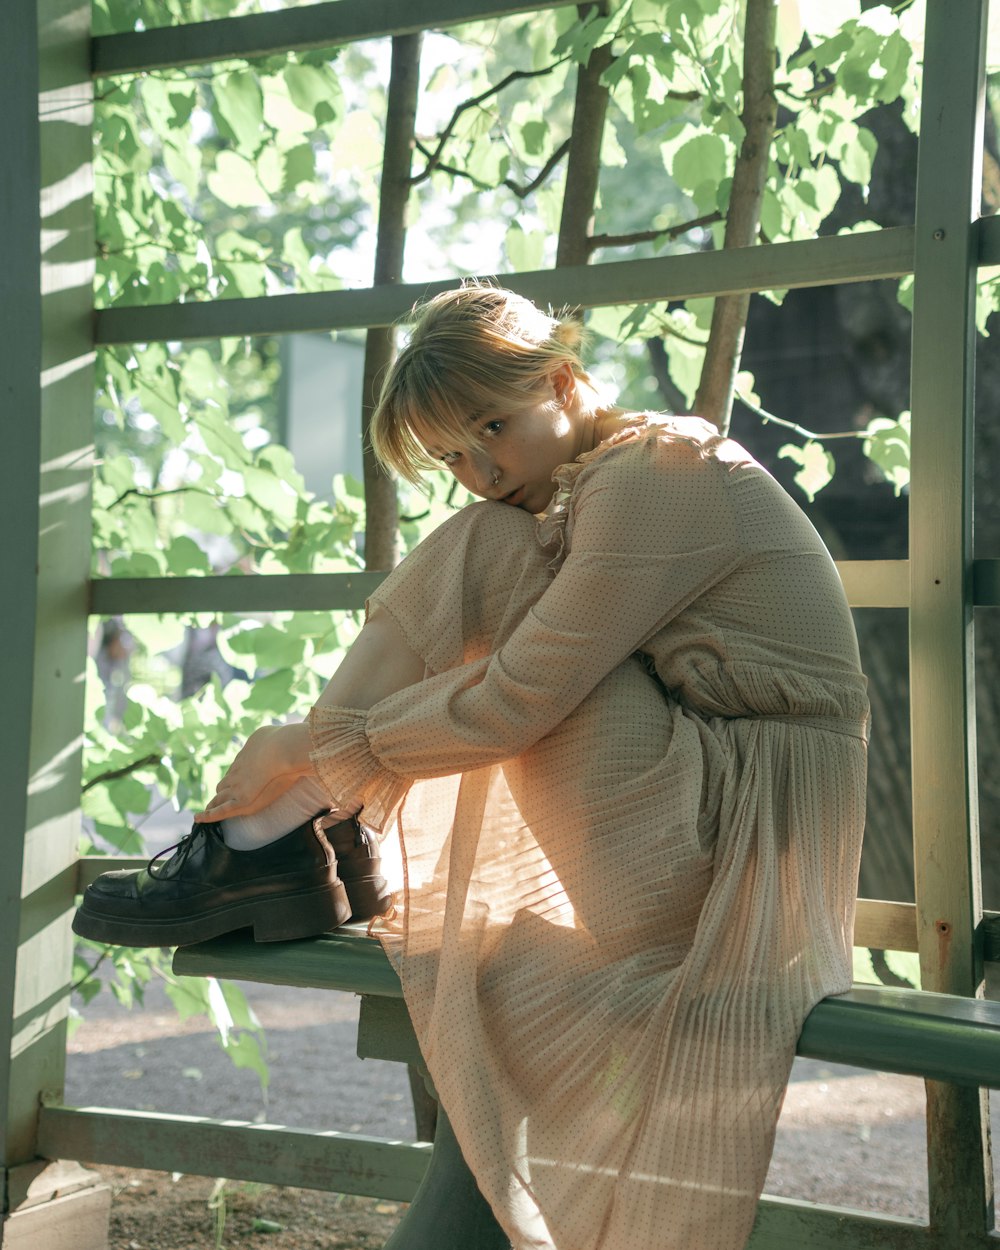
{"type": "Point", "coordinates": [231, 799]}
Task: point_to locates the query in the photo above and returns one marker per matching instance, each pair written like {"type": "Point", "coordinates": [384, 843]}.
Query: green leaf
{"type": "Point", "coordinates": [183, 162]}
{"type": "Point", "coordinates": [357, 143]}
{"type": "Point", "coordinates": [140, 564]}
{"type": "Point", "coordinates": [273, 695]}
{"type": "Point", "coordinates": [221, 439]}
{"type": "Point", "coordinates": [189, 995]}
{"type": "Point", "coordinates": [246, 1050]}
{"type": "Point", "coordinates": [185, 557]}
{"type": "Point", "coordinates": [200, 375]}
{"type": "Point", "coordinates": [888, 445]}
{"type": "Point", "coordinates": [281, 462]}
{"type": "Point", "coordinates": [525, 249]}
{"type": "Point", "coordinates": [534, 133]}
{"type": "Point", "coordinates": [314, 89]}
{"type": "Point", "coordinates": [265, 489]}
{"type": "Point", "coordinates": [240, 104]}
{"type": "Point", "coordinates": [857, 158]}
{"type": "Point", "coordinates": [816, 466]}
{"type": "Point", "coordinates": [129, 795]}
{"type": "Point", "coordinates": [701, 159]}
{"type": "Point", "coordinates": [234, 181]}
{"type": "Point", "coordinates": [119, 473]}
{"type": "Point", "coordinates": [300, 166]}
{"type": "Point", "coordinates": [271, 169]}
{"type": "Point", "coordinates": [269, 646]}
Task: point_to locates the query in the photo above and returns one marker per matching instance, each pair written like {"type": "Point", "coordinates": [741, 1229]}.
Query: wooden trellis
{"type": "Point", "coordinates": [49, 331]}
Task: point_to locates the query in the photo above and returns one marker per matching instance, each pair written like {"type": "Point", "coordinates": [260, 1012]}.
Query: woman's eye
{"type": "Point", "coordinates": [493, 427]}
{"type": "Point", "coordinates": [449, 457]}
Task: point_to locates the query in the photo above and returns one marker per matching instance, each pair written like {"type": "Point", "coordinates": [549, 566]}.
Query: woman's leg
{"type": "Point", "coordinates": [379, 663]}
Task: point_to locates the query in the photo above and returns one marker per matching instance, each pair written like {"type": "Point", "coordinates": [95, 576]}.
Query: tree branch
{"type": "Point", "coordinates": [583, 169]}
{"type": "Point", "coordinates": [524, 190]}
{"type": "Point", "coordinates": [156, 494]}
{"type": "Point", "coordinates": [434, 158]}
{"type": "Point", "coordinates": [114, 773]}
{"type": "Point", "coordinates": [648, 236]}
{"type": "Point", "coordinates": [812, 435]}
{"type": "Point", "coordinates": [714, 399]}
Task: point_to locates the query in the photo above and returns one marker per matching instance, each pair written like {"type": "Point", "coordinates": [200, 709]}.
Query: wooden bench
{"type": "Point", "coordinates": [936, 1036]}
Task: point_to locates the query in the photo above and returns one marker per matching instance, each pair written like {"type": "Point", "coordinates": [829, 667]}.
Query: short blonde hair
{"type": "Point", "coordinates": [476, 349]}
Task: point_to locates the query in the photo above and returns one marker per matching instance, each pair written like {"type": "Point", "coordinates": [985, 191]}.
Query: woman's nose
{"type": "Point", "coordinates": [485, 473]}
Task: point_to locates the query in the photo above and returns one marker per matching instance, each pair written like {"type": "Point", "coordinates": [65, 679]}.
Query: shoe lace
{"type": "Point", "coordinates": [183, 849]}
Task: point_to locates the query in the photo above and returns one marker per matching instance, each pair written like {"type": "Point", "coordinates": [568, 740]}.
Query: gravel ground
{"type": "Point", "coordinates": [846, 1137]}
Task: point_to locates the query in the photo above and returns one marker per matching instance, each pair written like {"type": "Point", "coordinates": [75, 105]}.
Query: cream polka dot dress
{"type": "Point", "coordinates": [630, 792]}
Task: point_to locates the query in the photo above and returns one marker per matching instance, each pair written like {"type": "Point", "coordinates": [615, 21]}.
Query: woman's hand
{"type": "Point", "coordinates": [272, 759]}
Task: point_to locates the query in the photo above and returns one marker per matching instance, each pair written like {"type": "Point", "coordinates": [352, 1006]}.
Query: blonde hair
{"type": "Point", "coordinates": [477, 349]}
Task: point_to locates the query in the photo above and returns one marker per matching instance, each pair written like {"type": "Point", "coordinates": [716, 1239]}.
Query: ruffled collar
{"type": "Point", "coordinates": [552, 522]}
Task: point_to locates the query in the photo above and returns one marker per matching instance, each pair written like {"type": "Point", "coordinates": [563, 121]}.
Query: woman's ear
{"type": "Point", "coordinates": [564, 383]}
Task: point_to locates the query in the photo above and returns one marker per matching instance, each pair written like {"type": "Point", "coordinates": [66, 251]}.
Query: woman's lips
{"type": "Point", "coordinates": [514, 498]}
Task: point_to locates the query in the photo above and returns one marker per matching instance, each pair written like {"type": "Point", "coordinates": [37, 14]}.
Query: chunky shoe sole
{"type": "Point", "coordinates": [300, 914]}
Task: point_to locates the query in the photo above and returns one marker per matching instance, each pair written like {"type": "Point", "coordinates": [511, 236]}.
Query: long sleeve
{"type": "Point", "coordinates": [653, 526]}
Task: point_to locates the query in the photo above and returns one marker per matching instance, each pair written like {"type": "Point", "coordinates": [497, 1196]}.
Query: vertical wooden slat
{"type": "Point", "coordinates": [20, 335]}
{"type": "Point", "coordinates": [946, 835]}
{"type": "Point", "coordinates": [62, 409]}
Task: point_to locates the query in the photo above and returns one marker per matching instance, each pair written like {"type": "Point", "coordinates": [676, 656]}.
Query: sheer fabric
{"type": "Point", "coordinates": [630, 793]}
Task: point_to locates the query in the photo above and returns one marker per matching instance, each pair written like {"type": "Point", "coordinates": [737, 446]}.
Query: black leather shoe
{"type": "Point", "coordinates": [287, 889]}
{"type": "Point", "coordinates": [359, 864]}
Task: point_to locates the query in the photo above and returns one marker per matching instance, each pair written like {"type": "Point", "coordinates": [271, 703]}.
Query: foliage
{"type": "Point", "coordinates": [260, 177]}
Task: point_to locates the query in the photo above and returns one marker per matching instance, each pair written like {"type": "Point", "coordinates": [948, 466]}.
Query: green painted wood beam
{"type": "Point", "coordinates": [21, 331]}
{"type": "Point", "coordinates": [345, 1163]}
{"type": "Point", "coordinates": [787, 1224]}
{"type": "Point", "coordinates": [809, 262]}
{"type": "Point", "coordinates": [303, 592]}
{"type": "Point", "coordinates": [937, 1036]}
{"type": "Point", "coordinates": [869, 584]}
{"type": "Point", "coordinates": [946, 842]}
{"type": "Point", "coordinates": [940, 1037]}
{"type": "Point", "coordinates": [876, 583]}
{"type": "Point", "coordinates": [57, 180]}
{"type": "Point", "coordinates": [344, 960]}
{"type": "Point", "coordinates": [308, 26]}
{"type": "Point", "coordinates": [339, 1162]}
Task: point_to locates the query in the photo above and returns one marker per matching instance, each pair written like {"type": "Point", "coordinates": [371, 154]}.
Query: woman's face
{"type": "Point", "coordinates": [518, 451]}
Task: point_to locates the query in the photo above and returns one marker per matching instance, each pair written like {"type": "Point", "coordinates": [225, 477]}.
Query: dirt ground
{"type": "Point", "coordinates": [846, 1137]}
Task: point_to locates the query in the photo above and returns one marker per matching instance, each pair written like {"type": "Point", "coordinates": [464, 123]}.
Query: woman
{"type": "Point", "coordinates": [617, 713]}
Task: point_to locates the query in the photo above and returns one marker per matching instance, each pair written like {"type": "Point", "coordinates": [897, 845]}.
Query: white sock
{"type": "Point", "coordinates": [297, 805]}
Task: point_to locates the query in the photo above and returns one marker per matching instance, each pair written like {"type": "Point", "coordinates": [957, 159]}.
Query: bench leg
{"type": "Point", "coordinates": [448, 1212]}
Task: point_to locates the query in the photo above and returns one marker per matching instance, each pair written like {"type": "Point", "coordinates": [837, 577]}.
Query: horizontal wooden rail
{"type": "Point", "coordinates": [937, 1036]}
{"type": "Point", "coordinates": [805, 263]}
{"type": "Point", "coordinates": [876, 583]}
{"type": "Point", "coordinates": [339, 1162]}
{"type": "Point", "coordinates": [307, 26]}
{"type": "Point", "coordinates": [301, 592]}
{"type": "Point", "coordinates": [345, 1163]}
{"type": "Point", "coordinates": [869, 584]}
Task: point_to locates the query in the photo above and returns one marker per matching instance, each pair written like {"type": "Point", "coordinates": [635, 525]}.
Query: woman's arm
{"type": "Point", "coordinates": [653, 528]}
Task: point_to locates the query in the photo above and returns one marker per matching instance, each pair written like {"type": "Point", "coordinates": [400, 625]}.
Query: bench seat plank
{"type": "Point", "coordinates": [916, 1033]}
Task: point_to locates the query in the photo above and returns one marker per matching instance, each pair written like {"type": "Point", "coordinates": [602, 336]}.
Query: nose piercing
{"type": "Point", "coordinates": [496, 479]}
